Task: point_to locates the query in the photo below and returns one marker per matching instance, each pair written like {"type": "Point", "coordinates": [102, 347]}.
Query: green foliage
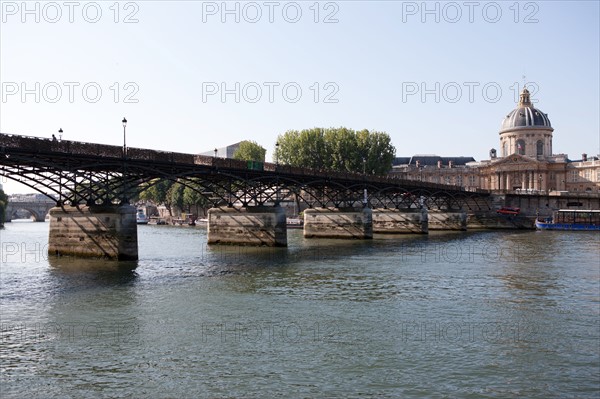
{"type": "Point", "coordinates": [185, 196]}
{"type": "Point", "coordinates": [250, 151]}
{"type": "Point", "coordinates": [338, 149]}
{"type": "Point", "coordinates": [192, 199]}
{"type": "Point", "coordinates": [158, 191]}
{"type": "Point", "coordinates": [174, 194]}
{"type": "Point", "coordinates": [3, 203]}
{"type": "Point", "coordinates": [302, 148]}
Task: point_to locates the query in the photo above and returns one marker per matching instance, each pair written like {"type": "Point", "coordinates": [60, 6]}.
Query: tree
{"type": "Point", "coordinates": [344, 153]}
{"type": "Point", "coordinates": [3, 203]}
{"type": "Point", "coordinates": [192, 197]}
{"type": "Point", "coordinates": [302, 148]}
{"type": "Point", "coordinates": [175, 195]}
{"type": "Point", "coordinates": [158, 192]}
{"type": "Point", "coordinates": [339, 149]}
{"type": "Point", "coordinates": [377, 150]}
{"type": "Point", "coordinates": [250, 151]}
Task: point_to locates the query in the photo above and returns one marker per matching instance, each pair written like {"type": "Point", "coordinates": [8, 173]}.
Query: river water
{"type": "Point", "coordinates": [469, 314]}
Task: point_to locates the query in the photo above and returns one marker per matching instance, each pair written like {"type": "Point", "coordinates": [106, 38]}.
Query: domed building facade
{"type": "Point", "coordinates": [525, 163]}
{"type": "Point", "coordinates": [526, 130]}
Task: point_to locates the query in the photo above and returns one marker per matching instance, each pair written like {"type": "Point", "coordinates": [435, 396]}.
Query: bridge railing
{"type": "Point", "coordinates": [230, 163]}
{"type": "Point", "coordinates": [18, 201]}
{"type": "Point", "coordinates": [140, 154]}
{"type": "Point", "coordinates": [41, 144]}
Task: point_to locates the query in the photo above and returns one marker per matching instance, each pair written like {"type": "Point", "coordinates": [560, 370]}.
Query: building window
{"type": "Point", "coordinates": [540, 147]}
{"type": "Point", "coordinates": [472, 180]}
{"type": "Point", "coordinates": [505, 149]}
{"type": "Point", "coordinates": [574, 175]}
{"type": "Point", "coordinates": [447, 180]}
{"type": "Point", "coordinates": [598, 175]}
{"type": "Point", "coordinates": [520, 147]}
{"type": "Point", "coordinates": [459, 180]}
{"type": "Point", "coordinates": [587, 174]}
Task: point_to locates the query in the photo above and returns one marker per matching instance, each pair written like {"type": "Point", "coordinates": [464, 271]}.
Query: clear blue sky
{"type": "Point", "coordinates": [369, 64]}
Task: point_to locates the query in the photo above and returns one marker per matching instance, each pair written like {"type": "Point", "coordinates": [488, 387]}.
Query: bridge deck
{"type": "Point", "coordinates": [70, 155]}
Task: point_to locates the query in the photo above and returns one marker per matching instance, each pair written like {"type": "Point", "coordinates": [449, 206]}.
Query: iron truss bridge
{"type": "Point", "coordinates": [76, 173]}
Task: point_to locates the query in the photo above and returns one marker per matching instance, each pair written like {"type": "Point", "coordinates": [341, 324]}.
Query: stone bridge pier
{"type": "Point", "coordinates": [254, 225]}
{"type": "Point", "coordinates": [400, 221]}
{"type": "Point", "coordinates": [98, 231]}
{"type": "Point", "coordinates": [447, 220]}
{"type": "Point", "coordinates": [338, 223]}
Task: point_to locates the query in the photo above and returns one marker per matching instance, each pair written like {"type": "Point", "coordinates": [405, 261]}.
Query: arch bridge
{"type": "Point", "coordinates": [38, 209]}
{"type": "Point", "coordinates": [91, 177]}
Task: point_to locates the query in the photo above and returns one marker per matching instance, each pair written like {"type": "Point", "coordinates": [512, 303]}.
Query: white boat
{"type": "Point", "coordinates": [294, 223]}
{"type": "Point", "coordinates": [141, 217]}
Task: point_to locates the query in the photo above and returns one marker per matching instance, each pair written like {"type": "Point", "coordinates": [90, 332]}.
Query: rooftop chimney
{"type": "Point", "coordinates": [584, 157]}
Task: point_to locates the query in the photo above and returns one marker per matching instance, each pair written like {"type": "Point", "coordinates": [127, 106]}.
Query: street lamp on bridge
{"type": "Point", "coordinates": [60, 133]}
{"type": "Point", "coordinates": [124, 121]}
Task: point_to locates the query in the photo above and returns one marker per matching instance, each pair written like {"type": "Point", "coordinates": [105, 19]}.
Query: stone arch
{"type": "Point", "coordinates": [10, 213]}
{"type": "Point", "coordinates": [37, 211]}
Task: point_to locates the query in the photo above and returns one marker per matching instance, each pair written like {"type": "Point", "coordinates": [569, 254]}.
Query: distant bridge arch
{"type": "Point", "coordinates": [37, 209]}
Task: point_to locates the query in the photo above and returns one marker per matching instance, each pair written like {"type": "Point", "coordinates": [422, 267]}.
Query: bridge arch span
{"type": "Point", "coordinates": [38, 210]}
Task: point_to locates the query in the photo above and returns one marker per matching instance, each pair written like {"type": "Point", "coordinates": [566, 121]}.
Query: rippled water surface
{"type": "Point", "coordinates": [474, 315]}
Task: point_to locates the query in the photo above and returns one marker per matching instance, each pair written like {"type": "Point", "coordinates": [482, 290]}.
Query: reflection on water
{"type": "Point", "coordinates": [534, 274]}
{"type": "Point", "coordinates": [479, 314]}
{"type": "Point", "coordinates": [101, 271]}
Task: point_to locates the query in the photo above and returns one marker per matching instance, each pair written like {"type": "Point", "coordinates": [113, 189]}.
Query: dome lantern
{"type": "Point", "coordinates": [524, 100]}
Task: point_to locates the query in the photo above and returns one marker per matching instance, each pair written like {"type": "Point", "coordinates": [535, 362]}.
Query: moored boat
{"type": "Point", "coordinates": [294, 223]}
{"type": "Point", "coordinates": [572, 220]}
{"type": "Point", "coordinates": [141, 217]}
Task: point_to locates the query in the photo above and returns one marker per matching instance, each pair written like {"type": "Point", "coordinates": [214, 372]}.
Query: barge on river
{"type": "Point", "coordinates": [571, 219]}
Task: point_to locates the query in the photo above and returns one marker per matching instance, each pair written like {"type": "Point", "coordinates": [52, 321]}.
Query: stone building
{"type": "Point", "coordinates": [223, 152]}
{"type": "Point", "coordinates": [526, 163]}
